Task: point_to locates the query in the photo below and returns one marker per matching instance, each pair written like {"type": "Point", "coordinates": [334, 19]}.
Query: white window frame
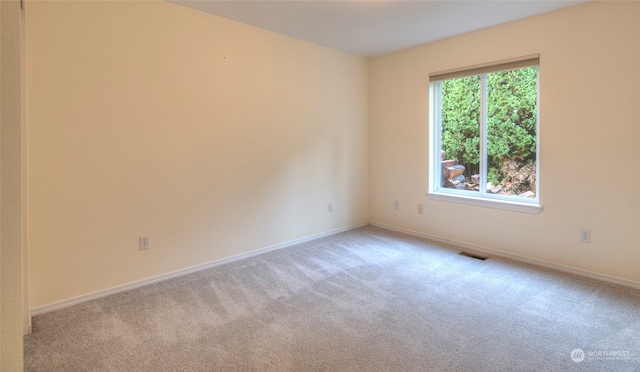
{"type": "Point", "coordinates": [477, 198]}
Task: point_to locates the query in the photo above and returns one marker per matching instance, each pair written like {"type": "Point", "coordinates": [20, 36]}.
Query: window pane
{"type": "Point", "coordinates": [511, 132]}
{"type": "Point", "coordinates": [460, 130]}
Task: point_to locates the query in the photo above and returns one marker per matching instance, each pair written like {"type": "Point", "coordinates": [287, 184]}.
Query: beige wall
{"type": "Point", "coordinates": [213, 137]}
{"type": "Point", "coordinates": [589, 122]}
{"type": "Point", "coordinates": [11, 275]}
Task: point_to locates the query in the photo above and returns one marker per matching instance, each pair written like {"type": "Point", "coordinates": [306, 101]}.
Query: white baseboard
{"type": "Point", "coordinates": [476, 248]}
{"type": "Point", "coordinates": [137, 284]}
{"type": "Point", "coordinates": [515, 257]}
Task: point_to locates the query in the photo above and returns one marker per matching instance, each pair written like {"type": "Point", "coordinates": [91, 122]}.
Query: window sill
{"type": "Point", "coordinates": [507, 205]}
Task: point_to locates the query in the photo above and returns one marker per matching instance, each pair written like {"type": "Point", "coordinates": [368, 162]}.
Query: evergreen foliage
{"type": "Point", "coordinates": [511, 119]}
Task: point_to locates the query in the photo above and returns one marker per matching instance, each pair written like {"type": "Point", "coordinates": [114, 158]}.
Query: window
{"type": "Point", "coordinates": [484, 135]}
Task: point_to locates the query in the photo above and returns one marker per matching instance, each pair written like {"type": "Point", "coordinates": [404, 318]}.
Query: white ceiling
{"type": "Point", "coordinates": [371, 28]}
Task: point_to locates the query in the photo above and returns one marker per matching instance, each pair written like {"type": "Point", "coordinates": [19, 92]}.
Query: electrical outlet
{"type": "Point", "coordinates": [585, 236]}
{"type": "Point", "coordinates": [330, 207]}
{"type": "Point", "coordinates": [144, 242]}
{"type": "Point", "coordinates": [420, 209]}
{"type": "Point", "coordinates": [396, 204]}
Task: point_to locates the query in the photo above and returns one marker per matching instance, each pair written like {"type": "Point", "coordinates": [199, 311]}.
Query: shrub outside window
{"type": "Point", "coordinates": [484, 135]}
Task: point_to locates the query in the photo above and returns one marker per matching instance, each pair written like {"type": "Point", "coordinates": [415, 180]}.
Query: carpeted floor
{"type": "Point", "coordinates": [364, 300]}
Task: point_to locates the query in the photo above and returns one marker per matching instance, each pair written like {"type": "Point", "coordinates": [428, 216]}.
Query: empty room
{"type": "Point", "coordinates": [320, 185]}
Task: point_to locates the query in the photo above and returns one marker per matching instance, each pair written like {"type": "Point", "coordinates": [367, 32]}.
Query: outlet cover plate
{"type": "Point", "coordinates": [144, 242]}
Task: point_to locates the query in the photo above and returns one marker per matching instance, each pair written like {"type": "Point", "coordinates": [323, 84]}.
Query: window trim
{"type": "Point", "coordinates": [482, 199]}
{"type": "Point", "coordinates": [486, 201]}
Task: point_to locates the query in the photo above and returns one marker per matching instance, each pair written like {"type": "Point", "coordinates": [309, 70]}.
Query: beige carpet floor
{"type": "Point", "coordinates": [364, 300]}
